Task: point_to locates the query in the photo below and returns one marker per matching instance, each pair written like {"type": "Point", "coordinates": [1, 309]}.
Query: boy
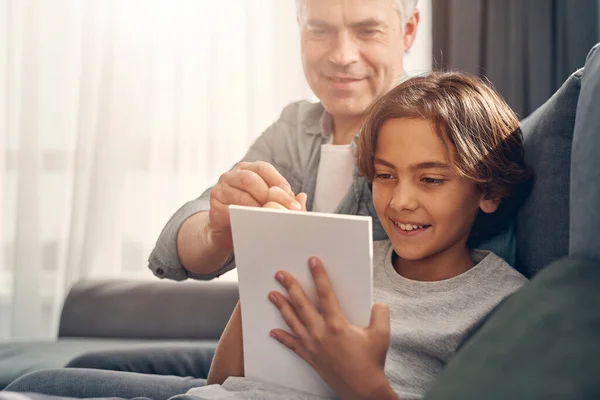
{"type": "Point", "coordinates": [444, 155]}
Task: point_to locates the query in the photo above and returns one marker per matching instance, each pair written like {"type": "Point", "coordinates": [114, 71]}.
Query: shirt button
{"type": "Point", "coordinates": [160, 271]}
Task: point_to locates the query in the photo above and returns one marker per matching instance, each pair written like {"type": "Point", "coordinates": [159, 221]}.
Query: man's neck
{"type": "Point", "coordinates": [345, 128]}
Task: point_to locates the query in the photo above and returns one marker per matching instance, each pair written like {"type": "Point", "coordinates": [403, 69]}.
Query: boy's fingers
{"type": "Point", "coordinates": [289, 315]}
{"type": "Point", "coordinates": [380, 319]}
{"type": "Point", "coordinates": [327, 298]}
{"type": "Point", "coordinates": [292, 343]}
{"type": "Point", "coordinates": [298, 299]}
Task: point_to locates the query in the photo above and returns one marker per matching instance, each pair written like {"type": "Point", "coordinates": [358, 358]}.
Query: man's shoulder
{"type": "Point", "coordinates": [303, 114]}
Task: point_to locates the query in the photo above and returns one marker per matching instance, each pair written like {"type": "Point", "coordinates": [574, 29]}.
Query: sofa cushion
{"type": "Point", "coordinates": [543, 221]}
{"type": "Point", "coordinates": [541, 343]}
{"type": "Point", "coordinates": [20, 358]}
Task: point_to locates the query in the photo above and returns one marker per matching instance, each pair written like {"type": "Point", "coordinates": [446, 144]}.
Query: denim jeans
{"type": "Point", "coordinates": [92, 383]}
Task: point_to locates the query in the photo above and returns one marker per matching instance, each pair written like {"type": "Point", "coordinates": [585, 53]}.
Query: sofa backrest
{"type": "Point", "coordinates": [562, 154]}
{"type": "Point", "coordinates": [584, 236]}
{"type": "Point", "coordinates": [543, 221]}
{"type": "Point", "coordinates": [148, 309]}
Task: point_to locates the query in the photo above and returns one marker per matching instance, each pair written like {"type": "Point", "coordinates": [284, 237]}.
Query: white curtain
{"type": "Point", "coordinates": [113, 113]}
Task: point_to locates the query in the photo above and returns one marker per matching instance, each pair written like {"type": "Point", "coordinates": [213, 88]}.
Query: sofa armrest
{"type": "Point", "coordinates": [148, 309]}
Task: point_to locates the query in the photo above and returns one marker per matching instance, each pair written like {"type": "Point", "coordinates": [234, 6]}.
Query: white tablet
{"type": "Point", "coordinates": [267, 240]}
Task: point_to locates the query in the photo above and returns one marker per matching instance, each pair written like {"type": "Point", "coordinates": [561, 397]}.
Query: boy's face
{"type": "Point", "coordinates": [426, 210]}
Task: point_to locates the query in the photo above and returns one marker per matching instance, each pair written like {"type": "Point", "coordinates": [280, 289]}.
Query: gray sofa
{"type": "Point", "coordinates": [128, 315]}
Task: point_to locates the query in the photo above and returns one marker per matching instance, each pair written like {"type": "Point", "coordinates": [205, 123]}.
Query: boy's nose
{"type": "Point", "coordinates": [404, 198]}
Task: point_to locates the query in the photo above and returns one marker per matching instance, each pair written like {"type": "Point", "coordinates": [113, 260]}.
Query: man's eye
{"type": "Point", "coordinates": [369, 32]}
{"type": "Point", "coordinates": [318, 32]}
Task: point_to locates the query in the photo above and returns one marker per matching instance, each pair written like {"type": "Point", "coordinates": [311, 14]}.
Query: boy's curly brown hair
{"type": "Point", "coordinates": [478, 128]}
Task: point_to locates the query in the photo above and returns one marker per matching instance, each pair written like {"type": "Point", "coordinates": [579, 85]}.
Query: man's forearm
{"type": "Point", "coordinates": [229, 356]}
{"type": "Point", "coordinates": [197, 252]}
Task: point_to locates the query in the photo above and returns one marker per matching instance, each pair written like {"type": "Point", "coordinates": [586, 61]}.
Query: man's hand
{"type": "Point", "coordinates": [277, 199]}
{"type": "Point", "coordinates": [247, 184]}
{"type": "Point", "coordinates": [349, 358]}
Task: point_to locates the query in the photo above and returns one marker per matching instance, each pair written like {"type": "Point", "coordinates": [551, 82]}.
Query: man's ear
{"type": "Point", "coordinates": [490, 204]}
{"type": "Point", "coordinates": [410, 30]}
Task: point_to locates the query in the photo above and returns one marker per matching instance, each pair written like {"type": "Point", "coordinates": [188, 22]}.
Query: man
{"type": "Point", "coordinates": [352, 53]}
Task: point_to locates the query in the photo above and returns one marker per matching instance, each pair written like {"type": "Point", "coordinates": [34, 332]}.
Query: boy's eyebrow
{"type": "Point", "coordinates": [423, 165]}
{"type": "Point", "coordinates": [431, 165]}
{"type": "Point", "coordinates": [383, 162]}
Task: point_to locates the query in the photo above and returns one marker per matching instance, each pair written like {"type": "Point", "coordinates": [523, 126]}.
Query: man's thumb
{"type": "Point", "coordinates": [301, 198]}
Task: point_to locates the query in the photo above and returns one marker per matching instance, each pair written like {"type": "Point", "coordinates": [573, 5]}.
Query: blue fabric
{"type": "Point", "coordinates": [189, 361]}
{"type": "Point", "coordinates": [4, 395]}
{"type": "Point", "coordinates": [90, 383]}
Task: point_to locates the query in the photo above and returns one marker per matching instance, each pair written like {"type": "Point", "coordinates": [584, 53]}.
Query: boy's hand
{"type": "Point", "coordinates": [277, 198]}
{"type": "Point", "coordinates": [349, 358]}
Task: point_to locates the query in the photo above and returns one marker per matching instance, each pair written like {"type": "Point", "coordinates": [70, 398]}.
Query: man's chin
{"type": "Point", "coordinates": [345, 108]}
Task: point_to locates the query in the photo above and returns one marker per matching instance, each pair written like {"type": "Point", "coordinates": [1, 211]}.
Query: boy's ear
{"type": "Point", "coordinates": [489, 204]}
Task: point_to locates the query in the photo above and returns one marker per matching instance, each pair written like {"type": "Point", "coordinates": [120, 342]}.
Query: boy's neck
{"type": "Point", "coordinates": [439, 267]}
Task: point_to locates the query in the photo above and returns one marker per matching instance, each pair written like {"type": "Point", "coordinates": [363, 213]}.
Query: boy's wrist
{"type": "Point", "coordinates": [384, 392]}
{"type": "Point", "coordinates": [379, 389]}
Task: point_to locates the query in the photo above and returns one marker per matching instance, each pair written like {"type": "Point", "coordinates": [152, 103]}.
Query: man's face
{"type": "Point", "coordinates": [352, 51]}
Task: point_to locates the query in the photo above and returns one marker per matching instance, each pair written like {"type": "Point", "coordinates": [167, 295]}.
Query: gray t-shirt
{"type": "Point", "coordinates": [428, 322]}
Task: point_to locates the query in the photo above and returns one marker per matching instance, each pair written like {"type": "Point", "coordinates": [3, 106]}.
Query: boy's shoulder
{"type": "Point", "coordinates": [495, 273]}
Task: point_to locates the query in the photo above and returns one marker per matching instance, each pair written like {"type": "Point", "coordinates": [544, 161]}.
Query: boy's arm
{"type": "Point", "coordinates": [229, 356]}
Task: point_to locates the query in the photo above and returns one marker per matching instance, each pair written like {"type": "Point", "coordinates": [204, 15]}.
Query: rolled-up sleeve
{"type": "Point", "coordinates": [164, 260]}
{"type": "Point", "coordinates": [278, 146]}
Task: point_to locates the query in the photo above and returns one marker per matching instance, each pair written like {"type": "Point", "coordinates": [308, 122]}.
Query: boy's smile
{"type": "Point", "coordinates": [425, 208]}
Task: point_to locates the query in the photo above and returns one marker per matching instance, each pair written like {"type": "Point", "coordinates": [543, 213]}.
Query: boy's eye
{"type": "Point", "coordinates": [383, 176]}
{"type": "Point", "coordinates": [432, 181]}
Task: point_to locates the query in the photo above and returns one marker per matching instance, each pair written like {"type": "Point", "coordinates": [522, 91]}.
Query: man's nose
{"type": "Point", "coordinates": [345, 51]}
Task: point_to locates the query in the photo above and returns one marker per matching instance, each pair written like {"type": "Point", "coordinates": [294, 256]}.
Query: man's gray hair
{"type": "Point", "coordinates": [404, 7]}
